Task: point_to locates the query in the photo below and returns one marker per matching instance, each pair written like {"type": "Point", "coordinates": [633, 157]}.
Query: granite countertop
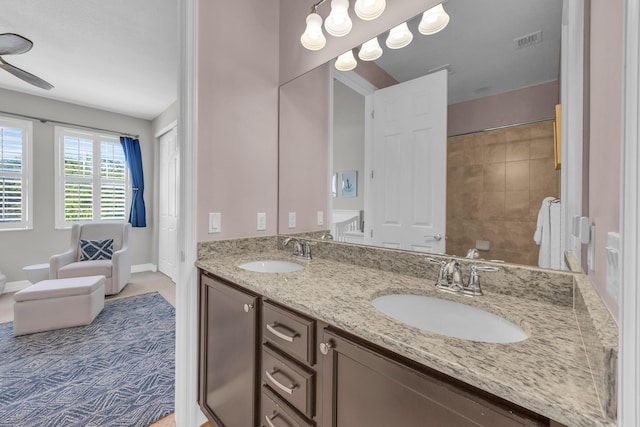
{"type": "Point", "coordinates": [547, 373]}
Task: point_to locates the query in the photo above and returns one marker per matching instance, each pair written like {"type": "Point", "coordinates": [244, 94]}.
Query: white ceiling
{"type": "Point", "coordinates": [121, 55]}
{"type": "Point", "coordinates": [115, 55]}
{"type": "Point", "coordinates": [478, 45]}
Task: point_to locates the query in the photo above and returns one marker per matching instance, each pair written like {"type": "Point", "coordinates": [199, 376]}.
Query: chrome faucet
{"type": "Point", "coordinates": [301, 247]}
{"type": "Point", "coordinates": [473, 285]}
{"type": "Point", "coordinates": [472, 253]}
{"type": "Point", "coordinates": [450, 277]}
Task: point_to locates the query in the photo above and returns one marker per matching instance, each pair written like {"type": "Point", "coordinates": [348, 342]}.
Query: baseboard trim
{"type": "Point", "coordinates": [139, 268]}
{"type": "Point", "coordinates": [16, 286]}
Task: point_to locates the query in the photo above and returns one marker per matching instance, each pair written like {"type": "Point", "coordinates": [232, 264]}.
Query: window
{"type": "Point", "coordinates": [15, 174]}
{"type": "Point", "coordinates": [93, 179]}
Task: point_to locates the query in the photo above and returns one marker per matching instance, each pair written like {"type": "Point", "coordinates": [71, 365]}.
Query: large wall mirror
{"type": "Point", "coordinates": [493, 74]}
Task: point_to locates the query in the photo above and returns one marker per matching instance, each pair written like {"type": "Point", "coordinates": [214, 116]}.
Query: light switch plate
{"type": "Point", "coordinates": [320, 217]}
{"type": "Point", "coordinates": [261, 221]}
{"type": "Point", "coordinates": [292, 220]}
{"type": "Point", "coordinates": [215, 222]}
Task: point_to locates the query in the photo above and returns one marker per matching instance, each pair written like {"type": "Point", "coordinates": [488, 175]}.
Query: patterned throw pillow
{"type": "Point", "coordinates": [92, 250]}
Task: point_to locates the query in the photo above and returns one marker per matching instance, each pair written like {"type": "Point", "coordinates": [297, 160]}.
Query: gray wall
{"type": "Point", "coordinates": [24, 247]}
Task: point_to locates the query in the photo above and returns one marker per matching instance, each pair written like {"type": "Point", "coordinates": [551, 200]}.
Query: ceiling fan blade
{"type": "Point", "coordinates": [27, 77]}
{"type": "Point", "coordinates": [12, 44]}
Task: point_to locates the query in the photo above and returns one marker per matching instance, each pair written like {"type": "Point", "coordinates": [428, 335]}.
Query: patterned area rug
{"type": "Point", "coordinates": [118, 371]}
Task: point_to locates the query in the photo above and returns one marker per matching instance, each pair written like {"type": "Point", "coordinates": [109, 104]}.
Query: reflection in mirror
{"type": "Point", "coordinates": [498, 138]}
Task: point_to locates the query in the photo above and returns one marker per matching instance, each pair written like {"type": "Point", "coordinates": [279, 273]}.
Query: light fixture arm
{"type": "Point", "coordinates": [314, 8]}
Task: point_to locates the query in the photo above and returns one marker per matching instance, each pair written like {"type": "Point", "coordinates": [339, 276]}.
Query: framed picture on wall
{"type": "Point", "coordinates": [556, 138]}
{"type": "Point", "coordinates": [350, 184]}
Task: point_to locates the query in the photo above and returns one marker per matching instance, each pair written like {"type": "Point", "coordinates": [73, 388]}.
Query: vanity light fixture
{"type": "Point", "coordinates": [369, 9]}
{"type": "Point", "coordinates": [371, 50]}
{"type": "Point", "coordinates": [399, 37]}
{"type": "Point", "coordinates": [313, 38]}
{"type": "Point", "coordinates": [346, 61]}
{"type": "Point", "coordinates": [338, 23]}
{"type": "Point", "coordinates": [433, 20]}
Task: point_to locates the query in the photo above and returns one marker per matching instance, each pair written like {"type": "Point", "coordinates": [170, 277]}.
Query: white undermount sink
{"type": "Point", "coordinates": [271, 266]}
{"type": "Point", "coordinates": [449, 318]}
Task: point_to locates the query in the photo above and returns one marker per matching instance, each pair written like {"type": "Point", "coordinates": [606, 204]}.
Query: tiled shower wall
{"type": "Point", "coordinates": [496, 181]}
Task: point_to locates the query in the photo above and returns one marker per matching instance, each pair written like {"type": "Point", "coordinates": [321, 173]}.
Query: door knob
{"type": "Point", "coordinates": [247, 307]}
{"type": "Point", "coordinates": [437, 237]}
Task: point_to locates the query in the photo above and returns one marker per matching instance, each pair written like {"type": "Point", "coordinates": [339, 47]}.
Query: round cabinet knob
{"type": "Point", "coordinates": [325, 347]}
{"type": "Point", "coordinates": [247, 307]}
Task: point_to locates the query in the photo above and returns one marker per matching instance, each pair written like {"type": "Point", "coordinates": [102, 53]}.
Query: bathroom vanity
{"type": "Point", "coordinates": [308, 348]}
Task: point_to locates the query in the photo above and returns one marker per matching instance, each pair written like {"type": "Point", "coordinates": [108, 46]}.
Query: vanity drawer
{"type": "Point", "coordinates": [290, 380]}
{"type": "Point", "coordinates": [289, 331]}
{"type": "Point", "coordinates": [276, 413]}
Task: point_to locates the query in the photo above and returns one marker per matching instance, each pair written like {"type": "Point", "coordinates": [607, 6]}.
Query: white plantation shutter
{"type": "Point", "coordinates": [15, 174]}
{"type": "Point", "coordinates": [113, 172]}
{"type": "Point", "coordinates": [93, 180]}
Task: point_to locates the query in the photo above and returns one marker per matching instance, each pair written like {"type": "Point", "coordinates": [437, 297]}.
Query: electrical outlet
{"type": "Point", "coordinates": [215, 222]}
{"type": "Point", "coordinates": [292, 220]}
{"type": "Point", "coordinates": [261, 221]}
{"type": "Point", "coordinates": [320, 217]}
{"type": "Point", "coordinates": [482, 245]}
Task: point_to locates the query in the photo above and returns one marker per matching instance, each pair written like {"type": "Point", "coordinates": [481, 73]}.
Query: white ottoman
{"type": "Point", "coordinates": [58, 303]}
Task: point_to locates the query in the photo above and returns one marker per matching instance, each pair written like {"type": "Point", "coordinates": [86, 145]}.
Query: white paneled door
{"type": "Point", "coordinates": [408, 182]}
{"type": "Point", "coordinates": [168, 204]}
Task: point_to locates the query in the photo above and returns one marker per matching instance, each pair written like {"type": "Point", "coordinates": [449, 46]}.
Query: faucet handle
{"type": "Point", "coordinates": [441, 281]}
{"type": "Point", "coordinates": [473, 286]}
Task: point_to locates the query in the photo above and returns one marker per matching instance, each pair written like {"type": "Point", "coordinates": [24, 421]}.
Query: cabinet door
{"type": "Point", "coordinates": [364, 388]}
{"type": "Point", "coordinates": [228, 354]}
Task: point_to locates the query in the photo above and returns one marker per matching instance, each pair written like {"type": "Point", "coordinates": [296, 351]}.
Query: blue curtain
{"type": "Point", "coordinates": [131, 147]}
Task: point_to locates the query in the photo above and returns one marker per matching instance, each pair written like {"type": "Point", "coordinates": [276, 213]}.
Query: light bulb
{"type": "Point", "coordinates": [369, 9]}
{"type": "Point", "coordinates": [312, 38]}
{"type": "Point", "coordinates": [371, 50]}
{"type": "Point", "coordinates": [433, 20]}
{"type": "Point", "coordinates": [338, 23]}
{"type": "Point", "coordinates": [399, 37]}
{"type": "Point", "coordinates": [346, 61]}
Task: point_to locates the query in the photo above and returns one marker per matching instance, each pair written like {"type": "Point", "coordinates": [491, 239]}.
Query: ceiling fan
{"type": "Point", "coordinates": [13, 44]}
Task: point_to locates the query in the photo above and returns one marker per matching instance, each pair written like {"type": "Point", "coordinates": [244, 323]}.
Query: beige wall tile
{"type": "Point", "coordinates": [473, 177]}
{"type": "Point", "coordinates": [541, 148]}
{"type": "Point", "coordinates": [543, 175]}
{"type": "Point", "coordinates": [517, 174]}
{"type": "Point", "coordinates": [517, 150]}
{"type": "Point", "coordinates": [493, 205]}
{"type": "Point", "coordinates": [517, 206]}
{"type": "Point", "coordinates": [542, 129]}
{"type": "Point", "coordinates": [472, 205]}
{"type": "Point", "coordinates": [494, 178]}
{"type": "Point", "coordinates": [494, 153]}
{"type": "Point", "coordinates": [472, 153]}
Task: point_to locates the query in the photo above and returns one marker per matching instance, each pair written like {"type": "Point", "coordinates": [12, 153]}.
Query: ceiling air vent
{"type": "Point", "coordinates": [528, 40]}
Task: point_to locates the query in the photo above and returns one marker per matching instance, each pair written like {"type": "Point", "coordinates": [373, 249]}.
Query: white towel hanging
{"type": "Point", "coordinates": [548, 233]}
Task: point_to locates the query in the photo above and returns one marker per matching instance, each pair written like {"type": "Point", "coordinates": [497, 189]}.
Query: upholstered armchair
{"type": "Point", "coordinates": [96, 249]}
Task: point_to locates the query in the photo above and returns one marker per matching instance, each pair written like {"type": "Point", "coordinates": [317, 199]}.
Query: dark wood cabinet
{"type": "Point", "coordinates": [229, 353]}
{"type": "Point", "coordinates": [363, 387]}
{"type": "Point", "coordinates": [262, 364]}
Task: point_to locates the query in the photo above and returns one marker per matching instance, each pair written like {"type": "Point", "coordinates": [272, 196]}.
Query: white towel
{"type": "Point", "coordinates": [548, 234]}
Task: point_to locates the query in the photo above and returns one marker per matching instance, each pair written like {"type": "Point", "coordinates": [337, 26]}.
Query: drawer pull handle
{"type": "Point", "coordinates": [273, 416]}
{"type": "Point", "coordinates": [271, 327]}
{"type": "Point", "coordinates": [288, 390]}
{"type": "Point", "coordinates": [268, 419]}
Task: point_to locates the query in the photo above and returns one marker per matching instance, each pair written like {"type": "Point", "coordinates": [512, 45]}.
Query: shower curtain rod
{"type": "Point", "coordinates": [41, 120]}
{"type": "Point", "coordinates": [501, 127]}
